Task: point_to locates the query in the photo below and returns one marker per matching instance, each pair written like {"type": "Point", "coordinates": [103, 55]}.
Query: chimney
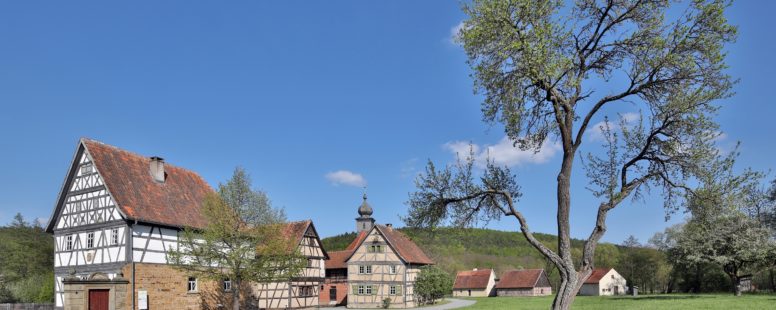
{"type": "Point", "coordinates": [390, 226]}
{"type": "Point", "coordinates": [157, 169]}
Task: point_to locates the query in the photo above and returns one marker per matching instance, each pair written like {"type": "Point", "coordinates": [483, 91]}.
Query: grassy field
{"type": "Point", "coordinates": [651, 302]}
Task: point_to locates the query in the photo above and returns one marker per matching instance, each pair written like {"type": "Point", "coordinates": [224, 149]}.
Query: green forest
{"type": "Point", "coordinates": [26, 263]}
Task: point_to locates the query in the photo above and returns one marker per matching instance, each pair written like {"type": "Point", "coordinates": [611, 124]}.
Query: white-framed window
{"type": "Point", "coordinates": [361, 289]}
{"type": "Point", "coordinates": [227, 285]}
{"type": "Point", "coordinates": [392, 269]}
{"type": "Point", "coordinates": [369, 290]}
{"type": "Point", "coordinates": [192, 284]}
{"type": "Point", "coordinates": [392, 290]}
{"type": "Point", "coordinates": [365, 269]}
{"type": "Point", "coordinates": [86, 169]}
{"type": "Point", "coordinates": [374, 249]}
{"type": "Point", "coordinates": [69, 242]}
{"type": "Point", "coordinates": [114, 236]}
{"type": "Point", "coordinates": [90, 240]}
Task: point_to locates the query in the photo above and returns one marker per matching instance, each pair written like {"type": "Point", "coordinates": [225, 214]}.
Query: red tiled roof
{"type": "Point", "coordinates": [175, 202]}
{"type": "Point", "coordinates": [356, 242]}
{"type": "Point", "coordinates": [520, 278]}
{"type": "Point", "coordinates": [476, 279]}
{"type": "Point", "coordinates": [408, 250]}
{"type": "Point", "coordinates": [597, 275]}
{"type": "Point", "coordinates": [337, 259]}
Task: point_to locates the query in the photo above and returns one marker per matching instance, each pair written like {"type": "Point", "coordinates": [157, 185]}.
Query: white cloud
{"type": "Point", "coordinates": [596, 131]}
{"type": "Point", "coordinates": [504, 152]}
{"type": "Point", "coordinates": [454, 32]}
{"type": "Point", "coordinates": [409, 168]}
{"type": "Point", "coordinates": [345, 177]}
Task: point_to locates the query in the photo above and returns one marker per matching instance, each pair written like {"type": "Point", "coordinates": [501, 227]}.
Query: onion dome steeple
{"type": "Point", "coordinates": [365, 209]}
{"type": "Point", "coordinates": [364, 221]}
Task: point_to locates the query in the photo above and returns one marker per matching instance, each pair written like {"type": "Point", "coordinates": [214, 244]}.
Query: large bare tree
{"type": "Point", "coordinates": [548, 70]}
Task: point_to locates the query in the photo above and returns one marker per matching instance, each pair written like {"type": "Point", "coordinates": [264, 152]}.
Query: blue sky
{"type": "Point", "coordinates": [307, 96]}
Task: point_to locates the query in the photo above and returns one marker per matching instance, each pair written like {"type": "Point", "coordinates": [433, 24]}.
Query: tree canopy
{"type": "Point", "coordinates": [244, 240]}
{"type": "Point", "coordinates": [548, 69]}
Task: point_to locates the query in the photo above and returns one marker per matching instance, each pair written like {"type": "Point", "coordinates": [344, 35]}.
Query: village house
{"type": "Point", "coordinates": [381, 263]}
{"type": "Point", "coordinates": [474, 283]}
{"type": "Point", "coordinates": [117, 215]}
{"type": "Point", "coordinates": [604, 282]}
{"type": "Point", "coordinates": [528, 282]}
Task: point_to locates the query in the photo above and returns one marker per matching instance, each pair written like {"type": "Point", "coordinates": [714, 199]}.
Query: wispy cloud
{"type": "Point", "coordinates": [596, 131]}
{"type": "Point", "coordinates": [409, 168]}
{"type": "Point", "coordinates": [504, 152]}
{"type": "Point", "coordinates": [455, 31]}
{"type": "Point", "coordinates": [345, 177]}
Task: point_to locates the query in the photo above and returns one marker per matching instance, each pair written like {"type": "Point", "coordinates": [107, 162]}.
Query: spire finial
{"type": "Point", "coordinates": [364, 193]}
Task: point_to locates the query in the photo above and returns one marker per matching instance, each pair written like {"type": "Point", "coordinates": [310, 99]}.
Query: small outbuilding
{"type": "Point", "coordinates": [528, 282]}
{"type": "Point", "coordinates": [474, 283]}
{"type": "Point", "coordinates": [604, 282]}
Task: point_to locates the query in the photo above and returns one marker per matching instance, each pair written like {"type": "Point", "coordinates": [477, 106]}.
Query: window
{"type": "Point", "coordinates": [365, 269]}
{"type": "Point", "coordinates": [86, 169]}
{"type": "Point", "coordinates": [369, 290]}
{"type": "Point", "coordinates": [114, 236]}
{"type": "Point", "coordinates": [192, 284]}
{"type": "Point", "coordinates": [69, 242]}
{"type": "Point", "coordinates": [227, 285]}
{"type": "Point", "coordinates": [393, 290]}
{"type": "Point", "coordinates": [361, 290]}
{"type": "Point", "coordinates": [309, 263]}
{"type": "Point", "coordinates": [90, 240]}
{"type": "Point", "coordinates": [305, 291]}
{"type": "Point", "coordinates": [374, 249]}
{"type": "Point", "coordinates": [392, 269]}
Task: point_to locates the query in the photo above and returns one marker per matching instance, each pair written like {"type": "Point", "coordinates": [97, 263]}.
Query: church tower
{"type": "Point", "coordinates": [364, 221]}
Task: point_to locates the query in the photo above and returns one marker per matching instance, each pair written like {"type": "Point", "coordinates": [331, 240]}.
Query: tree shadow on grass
{"type": "Point", "coordinates": [661, 297]}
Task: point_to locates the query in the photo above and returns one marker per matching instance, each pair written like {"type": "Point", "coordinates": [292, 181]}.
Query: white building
{"type": "Point", "coordinates": [117, 216]}
{"type": "Point", "coordinates": [604, 282]}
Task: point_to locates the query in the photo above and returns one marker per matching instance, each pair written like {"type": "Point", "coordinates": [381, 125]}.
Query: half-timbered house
{"type": "Point", "coordinates": [117, 215]}
{"type": "Point", "coordinates": [384, 265]}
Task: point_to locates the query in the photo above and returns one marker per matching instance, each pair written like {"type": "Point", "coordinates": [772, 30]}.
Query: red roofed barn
{"type": "Point", "coordinates": [474, 283]}
{"type": "Point", "coordinates": [529, 282]}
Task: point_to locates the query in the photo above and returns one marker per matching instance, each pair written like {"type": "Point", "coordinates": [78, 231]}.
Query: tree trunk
{"type": "Point", "coordinates": [236, 295]}
{"type": "Point", "coordinates": [568, 274]}
{"type": "Point", "coordinates": [567, 291]}
{"type": "Point", "coordinates": [736, 284]}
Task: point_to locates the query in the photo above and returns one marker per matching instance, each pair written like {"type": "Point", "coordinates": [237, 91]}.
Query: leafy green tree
{"type": "Point", "coordinates": [548, 69]}
{"type": "Point", "coordinates": [243, 241]}
{"type": "Point", "coordinates": [432, 284]}
{"type": "Point", "coordinates": [719, 231]}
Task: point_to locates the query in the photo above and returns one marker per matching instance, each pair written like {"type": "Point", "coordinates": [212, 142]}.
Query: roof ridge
{"type": "Point", "coordinates": [166, 163]}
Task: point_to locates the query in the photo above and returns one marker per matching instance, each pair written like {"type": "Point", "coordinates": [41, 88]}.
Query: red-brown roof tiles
{"type": "Point", "coordinates": [337, 259]}
{"type": "Point", "coordinates": [597, 275]}
{"type": "Point", "coordinates": [520, 278]}
{"type": "Point", "coordinates": [408, 250]}
{"type": "Point", "coordinates": [472, 279]}
{"type": "Point", "coordinates": [175, 202]}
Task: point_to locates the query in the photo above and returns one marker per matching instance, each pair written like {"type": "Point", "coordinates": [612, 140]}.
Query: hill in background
{"type": "Point", "coordinates": [455, 249]}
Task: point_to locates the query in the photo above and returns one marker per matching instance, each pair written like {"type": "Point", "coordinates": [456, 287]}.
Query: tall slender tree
{"type": "Point", "coordinates": [548, 69]}
{"type": "Point", "coordinates": [243, 241]}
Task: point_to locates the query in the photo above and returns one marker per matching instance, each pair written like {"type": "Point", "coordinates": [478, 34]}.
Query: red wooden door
{"type": "Point", "coordinates": [98, 299]}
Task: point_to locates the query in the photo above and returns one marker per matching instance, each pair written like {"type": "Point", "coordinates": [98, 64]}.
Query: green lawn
{"type": "Point", "coordinates": [650, 302]}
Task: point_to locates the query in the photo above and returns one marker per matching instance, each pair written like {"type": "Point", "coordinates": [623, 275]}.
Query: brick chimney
{"type": "Point", "coordinates": [157, 169]}
{"type": "Point", "coordinates": [389, 226]}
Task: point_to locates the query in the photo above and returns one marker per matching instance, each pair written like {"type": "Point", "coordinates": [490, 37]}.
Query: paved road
{"type": "Point", "coordinates": [453, 304]}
